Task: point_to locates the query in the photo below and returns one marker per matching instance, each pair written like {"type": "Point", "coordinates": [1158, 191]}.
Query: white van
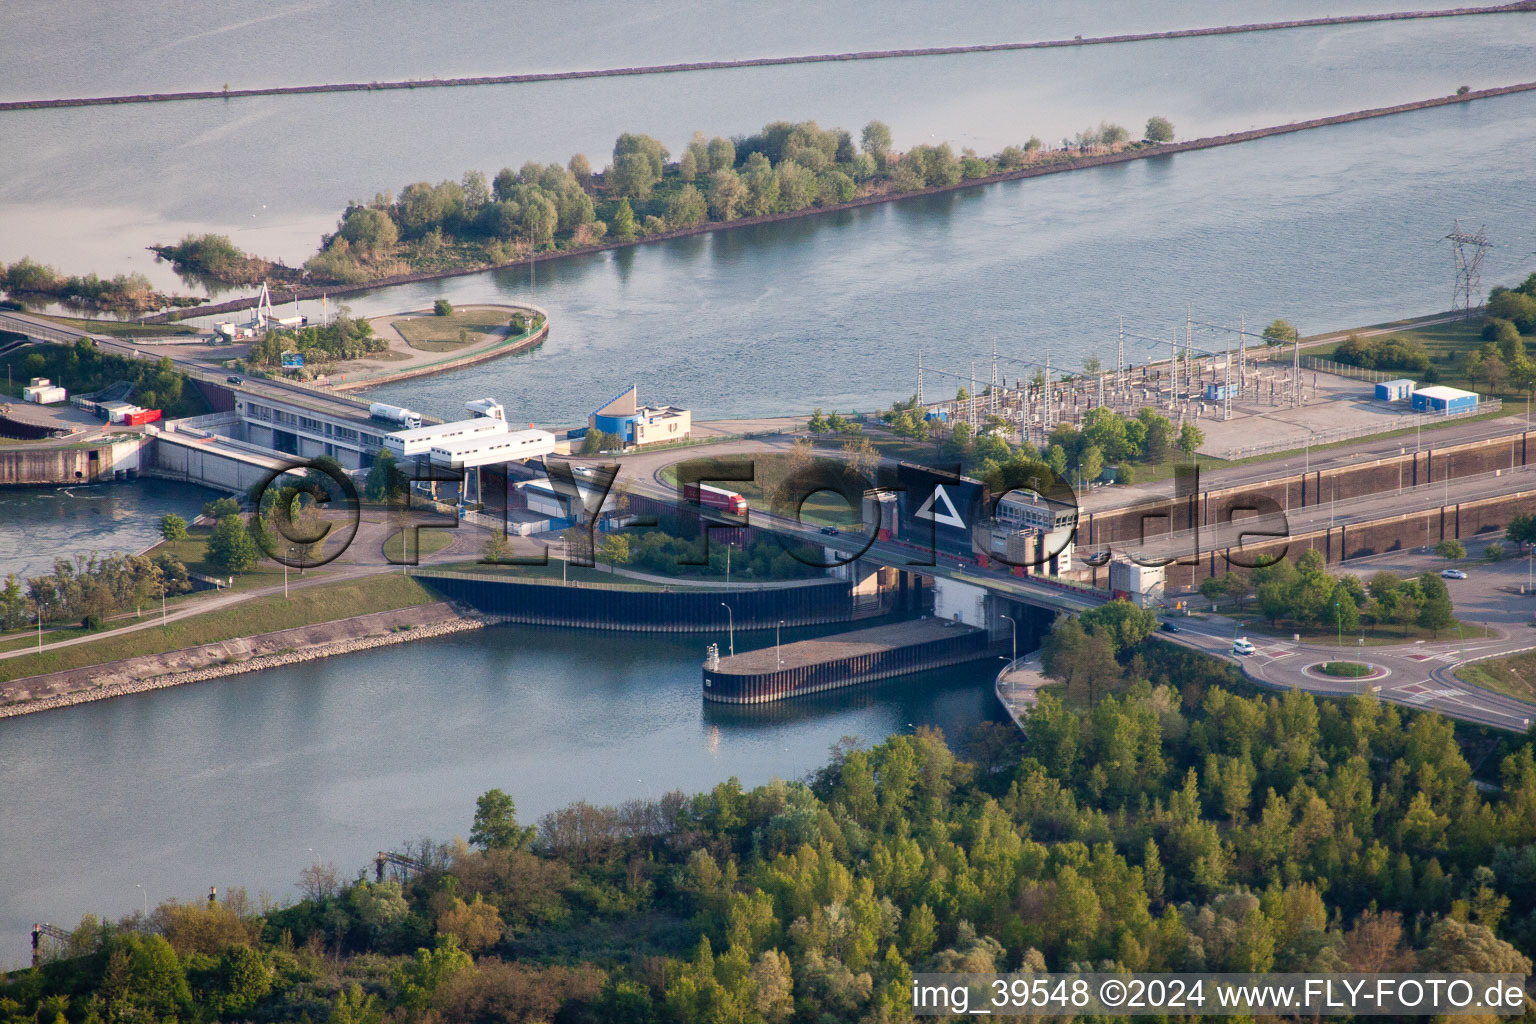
{"type": "Point", "coordinates": [1242, 646]}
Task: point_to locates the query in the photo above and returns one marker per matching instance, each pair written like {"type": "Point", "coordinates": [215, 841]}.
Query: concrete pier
{"type": "Point", "coordinates": [832, 662]}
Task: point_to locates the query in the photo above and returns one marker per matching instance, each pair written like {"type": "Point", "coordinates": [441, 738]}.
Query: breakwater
{"type": "Point", "coordinates": [832, 662]}
{"type": "Point", "coordinates": [1040, 169]}
{"type": "Point", "coordinates": [758, 62]}
{"type": "Point", "coordinates": [231, 657]}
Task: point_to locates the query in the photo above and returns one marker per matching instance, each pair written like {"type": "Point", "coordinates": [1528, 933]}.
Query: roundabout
{"type": "Point", "coordinates": [1346, 671]}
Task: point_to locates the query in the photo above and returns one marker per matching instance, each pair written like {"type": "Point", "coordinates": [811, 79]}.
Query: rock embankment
{"type": "Point", "coordinates": [231, 657]}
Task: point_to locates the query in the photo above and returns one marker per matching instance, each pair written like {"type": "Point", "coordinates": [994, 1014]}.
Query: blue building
{"type": "Point", "coordinates": [1394, 390]}
{"type": "Point", "coordinates": [638, 424]}
{"type": "Point", "coordinates": [1444, 400]}
{"type": "Point", "coordinates": [1218, 392]}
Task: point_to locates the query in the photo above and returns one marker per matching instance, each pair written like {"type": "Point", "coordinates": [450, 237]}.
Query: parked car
{"type": "Point", "coordinates": [1452, 574]}
{"type": "Point", "coordinates": [235, 380]}
{"type": "Point", "coordinates": [1169, 627]}
{"type": "Point", "coordinates": [1242, 646]}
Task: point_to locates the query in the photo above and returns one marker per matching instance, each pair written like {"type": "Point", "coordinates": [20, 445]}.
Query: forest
{"type": "Point", "coordinates": [1162, 819]}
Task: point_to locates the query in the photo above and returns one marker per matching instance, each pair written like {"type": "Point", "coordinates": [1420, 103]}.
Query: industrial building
{"type": "Point", "coordinates": [1024, 508]}
{"type": "Point", "coordinates": [1395, 390]}
{"type": "Point", "coordinates": [472, 452]}
{"type": "Point", "coordinates": [637, 424]}
{"type": "Point", "coordinates": [1140, 584]}
{"type": "Point", "coordinates": [1444, 400]}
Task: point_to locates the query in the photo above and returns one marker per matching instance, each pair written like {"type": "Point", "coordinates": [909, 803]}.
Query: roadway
{"type": "Point", "coordinates": [267, 387]}
{"type": "Point", "coordinates": [1328, 514]}
{"type": "Point", "coordinates": [1420, 675]}
{"type": "Point", "coordinates": [1106, 499]}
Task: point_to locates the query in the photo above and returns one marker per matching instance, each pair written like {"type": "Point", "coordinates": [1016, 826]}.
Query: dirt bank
{"type": "Point", "coordinates": [246, 654]}
{"type": "Point", "coordinates": [758, 62]}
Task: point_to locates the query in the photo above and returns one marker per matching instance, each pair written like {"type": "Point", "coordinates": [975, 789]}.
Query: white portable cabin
{"type": "Point", "coordinates": [489, 450]}
{"type": "Point", "coordinates": [421, 440]}
{"type": "Point", "coordinates": [43, 391]}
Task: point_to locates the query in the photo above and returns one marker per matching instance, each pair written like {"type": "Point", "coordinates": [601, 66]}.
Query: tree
{"type": "Point", "coordinates": [497, 548]}
{"type": "Point", "coordinates": [1124, 623]}
{"type": "Point", "coordinates": [1159, 130]}
{"type": "Point", "coordinates": [385, 480]}
{"type": "Point", "coordinates": [1191, 438]}
{"type": "Point", "coordinates": [1436, 612]}
{"type": "Point", "coordinates": [442, 307]}
{"type": "Point", "coordinates": [614, 550]}
{"type": "Point", "coordinates": [173, 527]}
{"type": "Point", "coordinates": [231, 547]}
{"type": "Point", "coordinates": [1279, 333]}
{"type": "Point", "coordinates": [726, 194]}
{"type": "Point", "coordinates": [581, 169]}
{"type": "Point", "coordinates": [1521, 528]}
{"type": "Point", "coordinates": [1092, 464]}
{"type": "Point", "coordinates": [221, 507]}
{"type": "Point", "coordinates": [623, 225]}
{"type": "Point", "coordinates": [722, 154]}
{"type": "Point", "coordinates": [495, 826]}
{"type": "Point", "coordinates": [476, 924]}
{"type": "Point", "coordinates": [1159, 434]}
{"type": "Point", "coordinates": [1451, 548]}
{"type": "Point", "coordinates": [638, 164]}
{"type": "Point", "coordinates": [686, 208]}
{"type": "Point", "coordinates": [876, 141]}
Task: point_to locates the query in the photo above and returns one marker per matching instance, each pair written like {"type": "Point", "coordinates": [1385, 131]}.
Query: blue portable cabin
{"type": "Point", "coordinates": [1444, 400]}
{"type": "Point", "coordinates": [1218, 392]}
{"type": "Point", "coordinates": [1394, 390]}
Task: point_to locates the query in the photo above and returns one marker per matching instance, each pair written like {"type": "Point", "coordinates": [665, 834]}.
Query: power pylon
{"type": "Point", "coordinates": [1467, 249]}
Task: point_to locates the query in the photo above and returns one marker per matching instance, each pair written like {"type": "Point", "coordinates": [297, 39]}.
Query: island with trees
{"type": "Point", "coordinates": [539, 210]}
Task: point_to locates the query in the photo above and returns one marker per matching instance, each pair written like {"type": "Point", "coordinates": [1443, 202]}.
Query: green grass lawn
{"type": "Point", "coordinates": [323, 603]}
{"type": "Point", "coordinates": [593, 576]}
{"type": "Point", "coordinates": [18, 639]}
{"type": "Point", "coordinates": [430, 333]}
{"type": "Point", "coordinates": [428, 542]}
{"type": "Point", "coordinates": [122, 329]}
{"type": "Point", "coordinates": [1515, 675]}
{"type": "Point", "coordinates": [1345, 669]}
{"type": "Point", "coordinates": [1446, 344]}
{"type": "Point", "coordinates": [193, 553]}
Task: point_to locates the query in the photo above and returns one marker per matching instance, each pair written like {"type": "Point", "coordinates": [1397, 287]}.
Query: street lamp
{"type": "Point", "coordinates": [145, 895]}
{"type": "Point", "coordinates": [1338, 613]}
{"type": "Point", "coordinates": [778, 661]}
{"type": "Point", "coordinates": [1014, 629]}
{"type": "Point", "coordinates": [730, 620]}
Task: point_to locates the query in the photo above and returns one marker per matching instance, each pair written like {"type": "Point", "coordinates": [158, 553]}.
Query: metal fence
{"type": "Point", "coordinates": [1345, 370]}
{"type": "Point", "coordinates": [1324, 437]}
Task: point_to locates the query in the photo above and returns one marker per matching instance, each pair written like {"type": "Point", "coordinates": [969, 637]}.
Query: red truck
{"type": "Point", "coordinates": [716, 498]}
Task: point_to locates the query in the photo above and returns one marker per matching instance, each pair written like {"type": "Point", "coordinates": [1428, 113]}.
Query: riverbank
{"type": "Point", "coordinates": [758, 62]}
{"type": "Point", "coordinates": [1058, 166]}
{"type": "Point", "coordinates": [232, 657]}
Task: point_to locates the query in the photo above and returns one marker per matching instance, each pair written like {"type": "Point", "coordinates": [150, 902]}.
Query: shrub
{"type": "Point", "coordinates": [442, 307]}
{"type": "Point", "coordinates": [1451, 549]}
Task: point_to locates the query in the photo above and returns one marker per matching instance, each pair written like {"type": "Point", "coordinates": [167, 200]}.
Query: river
{"type": "Point", "coordinates": [41, 524]}
{"type": "Point", "coordinates": [234, 782]}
